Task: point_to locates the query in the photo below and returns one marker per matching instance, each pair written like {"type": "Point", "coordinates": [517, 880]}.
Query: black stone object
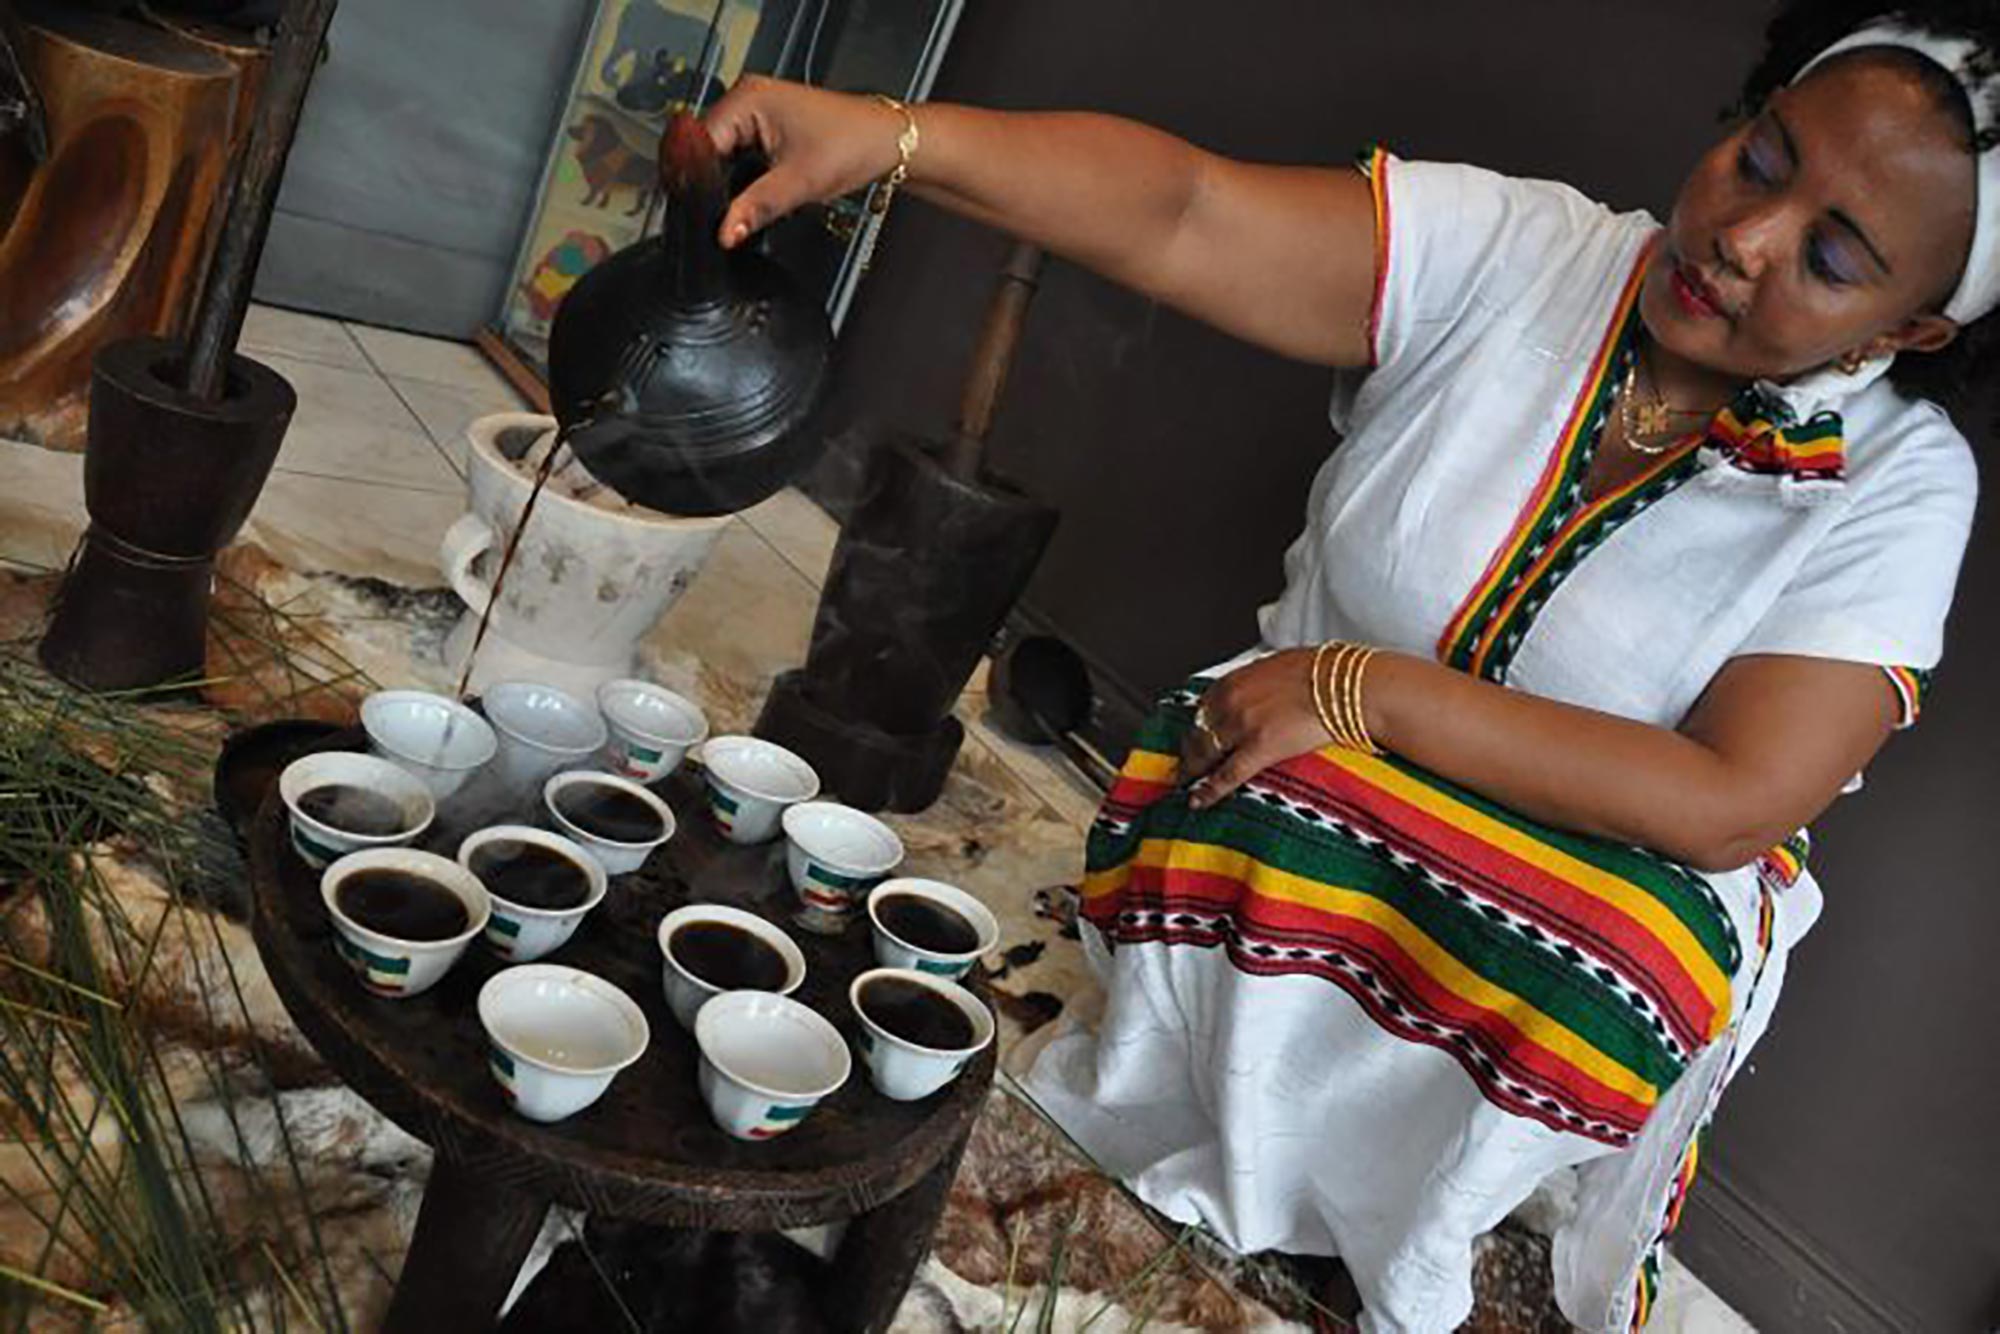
{"type": "Point", "coordinates": [689, 379]}
{"type": "Point", "coordinates": [926, 569]}
{"type": "Point", "coordinates": [168, 479]}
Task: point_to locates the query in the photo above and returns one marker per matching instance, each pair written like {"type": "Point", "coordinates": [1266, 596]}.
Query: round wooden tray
{"type": "Point", "coordinates": [648, 1149]}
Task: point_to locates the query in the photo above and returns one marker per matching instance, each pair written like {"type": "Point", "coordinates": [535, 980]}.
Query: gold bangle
{"type": "Point", "coordinates": [1357, 717]}
{"type": "Point", "coordinates": [1318, 692]}
{"type": "Point", "coordinates": [1343, 730]}
{"type": "Point", "coordinates": [907, 144]}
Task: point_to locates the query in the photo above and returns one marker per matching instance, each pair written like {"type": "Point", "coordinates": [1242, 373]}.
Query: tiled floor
{"type": "Point", "coordinates": [371, 474]}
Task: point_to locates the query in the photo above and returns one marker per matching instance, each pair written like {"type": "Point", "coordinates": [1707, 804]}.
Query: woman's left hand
{"type": "Point", "coordinates": [1255, 717]}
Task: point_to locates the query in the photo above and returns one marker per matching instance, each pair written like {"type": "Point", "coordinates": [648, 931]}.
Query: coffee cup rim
{"type": "Point", "coordinates": [635, 685]}
{"type": "Point", "coordinates": [732, 1001]}
{"type": "Point", "coordinates": [967, 906]}
{"type": "Point", "coordinates": [669, 825]}
{"type": "Point", "coordinates": [417, 862]}
{"type": "Point", "coordinates": [724, 745]}
{"type": "Point", "coordinates": [764, 929]}
{"type": "Point", "coordinates": [636, 1027]}
{"type": "Point", "coordinates": [593, 870]}
{"type": "Point", "coordinates": [381, 699]}
{"type": "Point", "coordinates": [984, 1026]}
{"type": "Point", "coordinates": [799, 812]}
{"type": "Point", "coordinates": [499, 692]}
{"type": "Point", "coordinates": [292, 785]}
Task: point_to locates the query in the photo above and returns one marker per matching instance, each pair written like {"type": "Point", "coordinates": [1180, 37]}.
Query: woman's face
{"type": "Point", "coordinates": [1836, 220]}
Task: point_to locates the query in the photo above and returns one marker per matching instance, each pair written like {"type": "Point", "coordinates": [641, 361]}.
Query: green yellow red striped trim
{"type": "Point", "coordinates": [1572, 978]}
{"type": "Point", "coordinates": [1374, 164]}
{"type": "Point", "coordinates": [1558, 491]}
{"type": "Point", "coordinates": [1911, 684]}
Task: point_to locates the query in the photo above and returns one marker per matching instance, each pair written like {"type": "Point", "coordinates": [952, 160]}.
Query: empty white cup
{"type": "Point", "coordinates": [688, 993]}
{"type": "Point", "coordinates": [521, 932]}
{"type": "Point", "coordinates": [542, 730]}
{"type": "Point", "coordinates": [892, 951]}
{"type": "Point", "coordinates": [386, 965]}
{"type": "Point", "coordinates": [835, 855]}
{"type": "Point", "coordinates": [750, 782]}
{"type": "Point", "coordinates": [766, 1062]}
{"type": "Point", "coordinates": [558, 1037]}
{"type": "Point", "coordinates": [651, 728]}
{"type": "Point", "coordinates": [438, 740]}
{"type": "Point", "coordinates": [616, 857]}
{"type": "Point", "coordinates": [905, 1070]}
{"type": "Point", "coordinates": [320, 843]}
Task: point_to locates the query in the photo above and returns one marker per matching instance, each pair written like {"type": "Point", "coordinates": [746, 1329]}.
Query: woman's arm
{"type": "Point", "coordinates": [1769, 745]}
{"type": "Point", "coordinates": [1283, 257]}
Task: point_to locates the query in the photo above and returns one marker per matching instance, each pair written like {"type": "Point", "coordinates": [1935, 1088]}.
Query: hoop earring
{"type": "Point", "coordinates": [1851, 361]}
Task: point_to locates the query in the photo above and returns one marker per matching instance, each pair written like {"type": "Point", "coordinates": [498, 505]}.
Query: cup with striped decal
{"type": "Point", "coordinates": [918, 1031]}
{"type": "Point", "coordinates": [557, 1037]}
{"type": "Point", "coordinates": [400, 965]}
{"type": "Point", "coordinates": [341, 802]}
{"type": "Point", "coordinates": [651, 728]}
{"type": "Point", "coordinates": [750, 783]}
{"type": "Point", "coordinates": [766, 1062]}
{"type": "Point", "coordinates": [564, 881]}
{"type": "Point", "coordinates": [929, 926]}
{"type": "Point", "coordinates": [835, 855]}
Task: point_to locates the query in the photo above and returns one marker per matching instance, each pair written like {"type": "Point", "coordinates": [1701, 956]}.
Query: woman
{"type": "Point", "coordinates": [1484, 864]}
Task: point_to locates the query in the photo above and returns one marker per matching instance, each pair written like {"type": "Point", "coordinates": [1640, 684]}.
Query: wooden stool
{"type": "Point", "coordinates": [648, 1151]}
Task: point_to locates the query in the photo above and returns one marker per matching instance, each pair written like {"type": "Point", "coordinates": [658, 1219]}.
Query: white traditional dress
{"type": "Point", "coordinates": [1357, 1011]}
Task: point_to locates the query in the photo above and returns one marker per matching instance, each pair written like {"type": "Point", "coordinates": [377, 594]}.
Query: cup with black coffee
{"type": "Point", "coordinates": [342, 802]}
{"type": "Point", "coordinates": [708, 949]}
{"type": "Point", "coordinates": [402, 917]}
{"type": "Point", "coordinates": [542, 886]}
{"type": "Point", "coordinates": [614, 819]}
{"type": "Point", "coordinates": [929, 926]}
{"type": "Point", "coordinates": [917, 1030]}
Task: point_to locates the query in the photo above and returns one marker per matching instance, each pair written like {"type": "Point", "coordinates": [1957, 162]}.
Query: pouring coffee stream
{"type": "Point", "coordinates": [686, 379]}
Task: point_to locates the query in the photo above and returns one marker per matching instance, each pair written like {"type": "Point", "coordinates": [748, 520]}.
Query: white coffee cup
{"type": "Point", "coordinates": [835, 855]}
{"type": "Point", "coordinates": [750, 783]}
{"type": "Point", "coordinates": [902, 1069]}
{"type": "Point", "coordinates": [766, 1062]}
{"type": "Point", "coordinates": [892, 951]}
{"type": "Point", "coordinates": [386, 965]}
{"type": "Point", "coordinates": [521, 932]}
{"type": "Point", "coordinates": [320, 843]}
{"type": "Point", "coordinates": [616, 857]}
{"type": "Point", "coordinates": [438, 740]}
{"type": "Point", "coordinates": [558, 1037]}
{"type": "Point", "coordinates": [687, 993]}
{"type": "Point", "coordinates": [651, 728]}
{"type": "Point", "coordinates": [542, 730]}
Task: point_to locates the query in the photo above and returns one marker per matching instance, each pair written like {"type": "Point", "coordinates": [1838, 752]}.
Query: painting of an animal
{"type": "Point", "coordinates": [646, 27]}
{"type": "Point", "coordinates": [609, 163]}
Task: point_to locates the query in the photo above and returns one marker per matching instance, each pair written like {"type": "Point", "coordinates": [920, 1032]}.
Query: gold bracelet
{"type": "Point", "coordinates": [1319, 694]}
{"type": "Point", "coordinates": [1343, 731]}
{"type": "Point", "coordinates": [1356, 715]}
{"type": "Point", "coordinates": [907, 144]}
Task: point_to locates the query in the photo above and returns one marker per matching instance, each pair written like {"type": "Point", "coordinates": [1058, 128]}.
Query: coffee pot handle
{"type": "Point", "coordinates": [468, 538]}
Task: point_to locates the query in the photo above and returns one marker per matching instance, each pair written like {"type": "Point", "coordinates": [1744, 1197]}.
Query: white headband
{"type": "Point", "coordinates": [1979, 290]}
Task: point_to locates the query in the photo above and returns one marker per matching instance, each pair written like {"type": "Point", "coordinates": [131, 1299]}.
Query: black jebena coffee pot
{"type": "Point", "coordinates": [685, 377]}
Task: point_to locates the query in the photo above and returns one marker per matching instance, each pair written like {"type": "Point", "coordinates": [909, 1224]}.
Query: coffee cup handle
{"type": "Point", "coordinates": [468, 538]}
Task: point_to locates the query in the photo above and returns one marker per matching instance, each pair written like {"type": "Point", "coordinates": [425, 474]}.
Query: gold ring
{"type": "Point", "coordinates": [1207, 729]}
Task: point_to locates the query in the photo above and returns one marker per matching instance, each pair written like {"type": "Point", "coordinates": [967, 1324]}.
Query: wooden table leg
{"type": "Point", "coordinates": [883, 1248]}
{"type": "Point", "coordinates": [471, 1238]}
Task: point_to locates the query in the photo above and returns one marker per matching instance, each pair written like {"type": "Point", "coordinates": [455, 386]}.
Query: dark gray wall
{"type": "Point", "coordinates": [1851, 1180]}
{"type": "Point", "coordinates": [417, 158]}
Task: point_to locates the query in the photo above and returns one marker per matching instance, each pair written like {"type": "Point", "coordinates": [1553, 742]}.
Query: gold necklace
{"type": "Point", "coordinates": [1647, 419]}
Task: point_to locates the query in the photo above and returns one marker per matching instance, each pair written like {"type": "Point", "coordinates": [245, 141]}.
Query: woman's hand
{"type": "Point", "coordinates": [822, 145]}
{"type": "Point", "coordinates": [1255, 717]}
